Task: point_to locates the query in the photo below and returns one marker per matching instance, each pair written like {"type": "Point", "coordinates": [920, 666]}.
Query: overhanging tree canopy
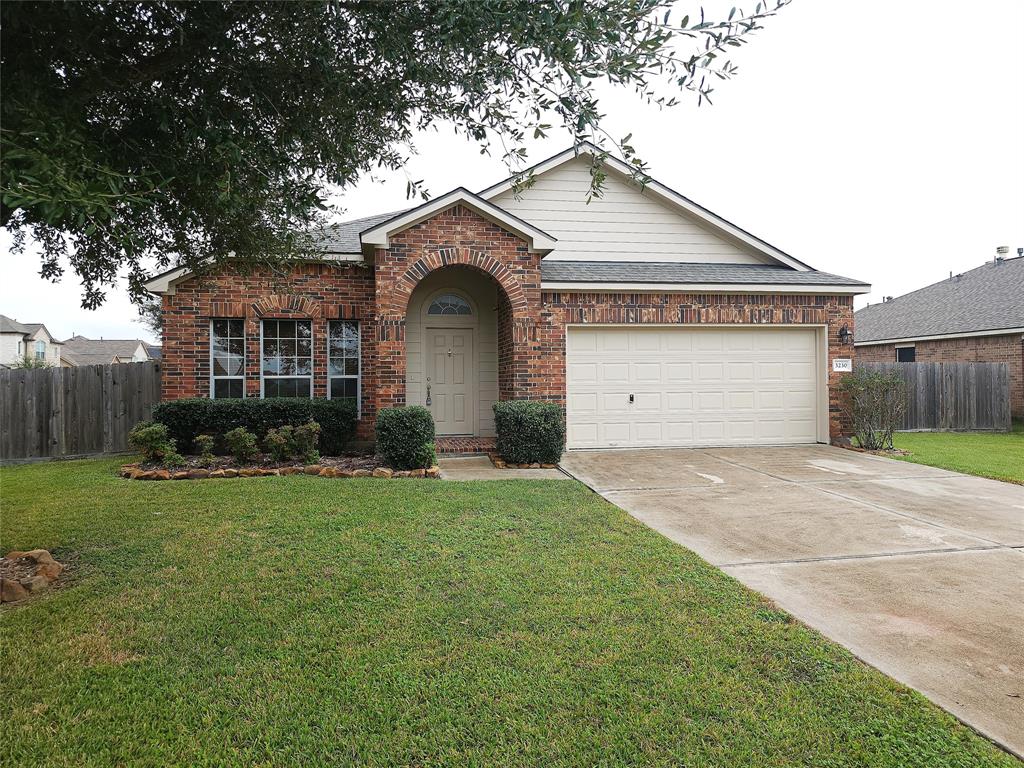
{"type": "Point", "coordinates": [173, 132]}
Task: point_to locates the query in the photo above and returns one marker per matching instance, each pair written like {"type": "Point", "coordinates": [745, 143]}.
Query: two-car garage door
{"type": "Point", "coordinates": [635, 387]}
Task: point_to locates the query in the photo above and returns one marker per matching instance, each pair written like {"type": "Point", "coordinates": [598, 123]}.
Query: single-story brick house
{"type": "Point", "coordinates": [976, 317]}
{"type": "Point", "coordinates": [652, 320]}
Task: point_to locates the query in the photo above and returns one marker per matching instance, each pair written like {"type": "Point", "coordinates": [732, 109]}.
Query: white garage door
{"type": "Point", "coordinates": [633, 387]}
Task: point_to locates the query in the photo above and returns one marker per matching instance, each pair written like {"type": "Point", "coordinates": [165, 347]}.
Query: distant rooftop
{"type": "Point", "coordinates": [987, 298]}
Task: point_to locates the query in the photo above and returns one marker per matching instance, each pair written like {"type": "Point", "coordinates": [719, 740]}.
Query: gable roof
{"type": "Point", "coordinates": [83, 351]}
{"type": "Point", "coordinates": [377, 236]}
{"type": "Point", "coordinates": [632, 275]}
{"type": "Point", "coordinates": [986, 299]}
{"type": "Point", "coordinates": [659, 191]}
{"type": "Point", "coordinates": [10, 325]}
{"type": "Point", "coordinates": [343, 237]}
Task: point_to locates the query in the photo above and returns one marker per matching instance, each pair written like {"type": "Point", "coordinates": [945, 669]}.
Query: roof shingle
{"type": "Point", "coordinates": [683, 272]}
{"type": "Point", "coordinates": [987, 298]}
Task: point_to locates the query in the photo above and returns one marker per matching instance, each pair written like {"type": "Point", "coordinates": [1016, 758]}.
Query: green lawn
{"type": "Point", "coordinates": [318, 622]}
{"type": "Point", "coordinates": [999, 455]}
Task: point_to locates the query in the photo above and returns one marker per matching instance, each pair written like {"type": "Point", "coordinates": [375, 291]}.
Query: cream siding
{"type": "Point", "coordinates": [483, 295]}
{"type": "Point", "coordinates": [624, 224]}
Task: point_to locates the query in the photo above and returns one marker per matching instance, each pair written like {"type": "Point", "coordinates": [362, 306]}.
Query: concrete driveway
{"type": "Point", "coordinates": [918, 571]}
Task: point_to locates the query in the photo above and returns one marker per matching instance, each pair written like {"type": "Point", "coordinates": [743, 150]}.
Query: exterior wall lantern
{"type": "Point", "coordinates": [845, 335]}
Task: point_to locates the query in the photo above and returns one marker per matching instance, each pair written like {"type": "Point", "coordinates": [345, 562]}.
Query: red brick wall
{"type": "Point", "coordinates": [531, 325]}
{"type": "Point", "coordinates": [561, 309]}
{"type": "Point", "coordinates": [973, 349]}
{"type": "Point", "coordinates": [317, 292]}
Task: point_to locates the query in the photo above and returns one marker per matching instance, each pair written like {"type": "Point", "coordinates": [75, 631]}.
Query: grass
{"type": "Point", "coordinates": [999, 455]}
{"type": "Point", "coordinates": [364, 622]}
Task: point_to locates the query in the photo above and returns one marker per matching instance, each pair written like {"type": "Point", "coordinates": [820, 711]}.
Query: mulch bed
{"type": "Point", "coordinates": [354, 465]}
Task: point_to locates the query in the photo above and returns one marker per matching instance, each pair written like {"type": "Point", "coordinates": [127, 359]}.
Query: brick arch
{"type": "Point", "coordinates": [285, 305]}
{"type": "Point", "coordinates": [403, 287]}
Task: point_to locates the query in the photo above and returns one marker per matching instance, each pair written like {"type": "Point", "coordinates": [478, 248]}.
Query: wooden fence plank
{"type": "Point", "coordinates": [57, 412]}
{"type": "Point", "coordinates": [954, 396]}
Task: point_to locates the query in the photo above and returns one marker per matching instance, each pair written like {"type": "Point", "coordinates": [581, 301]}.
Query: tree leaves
{"type": "Point", "coordinates": [187, 133]}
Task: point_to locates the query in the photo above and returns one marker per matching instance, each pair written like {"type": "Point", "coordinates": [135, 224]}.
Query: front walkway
{"type": "Point", "coordinates": [481, 468]}
{"type": "Point", "coordinates": [918, 571]}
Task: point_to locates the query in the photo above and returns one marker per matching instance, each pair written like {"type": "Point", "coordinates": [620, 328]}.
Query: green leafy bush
{"type": "Point", "coordinates": [241, 443]}
{"type": "Point", "coordinates": [529, 431]}
{"type": "Point", "coordinates": [405, 437]}
{"type": "Point", "coordinates": [874, 400]}
{"type": "Point", "coordinates": [151, 440]}
{"type": "Point", "coordinates": [185, 419]}
{"type": "Point", "coordinates": [173, 459]}
{"type": "Point", "coordinates": [288, 442]}
{"type": "Point", "coordinates": [204, 447]}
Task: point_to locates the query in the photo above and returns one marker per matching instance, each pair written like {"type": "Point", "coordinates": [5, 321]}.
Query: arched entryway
{"type": "Point", "coordinates": [453, 356]}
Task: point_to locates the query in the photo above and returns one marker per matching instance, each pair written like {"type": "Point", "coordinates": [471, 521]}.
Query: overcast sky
{"type": "Point", "coordinates": [876, 140]}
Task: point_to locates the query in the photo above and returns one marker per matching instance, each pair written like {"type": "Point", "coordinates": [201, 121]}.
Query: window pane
{"type": "Point", "coordinates": [236, 346]}
{"type": "Point", "coordinates": [286, 347]}
{"type": "Point", "coordinates": [292, 387]}
{"type": "Point", "coordinates": [220, 328]}
{"type": "Point", "coordinates": [341, 388]}
{"type": "Point", "coordinates": [227, 356]}
{"type": "Point", "coordinates": [236, 328]}
{"type": "Point", "coordinates": [352, 366]}
{"type": "Point", "coordinates": [303, 329]}
{"type": "Point", "coordinates": [449, 304]}
{"type": "Point", "coordinates": [286, 329]}
{"type": "Point", "coordinates": [228, 388]}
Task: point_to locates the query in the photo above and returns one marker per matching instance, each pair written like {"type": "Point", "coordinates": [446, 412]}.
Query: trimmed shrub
{"type": "Point", "coordinates": [288, 442]}
{"type": "Point", "coordinates": [241, 443]}
{"type": "Point", "coordinates": [150, 439]}
{"type": "Point", "coordinates": [185, 419]}
{"type": "Point", "coordinates": [405, 437]}
{"type": "Point", "coordinates": [529, 431]}
{"type": "Point", "coordinates": [874, 400]}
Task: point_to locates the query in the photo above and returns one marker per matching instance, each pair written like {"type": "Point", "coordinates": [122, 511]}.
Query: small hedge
{"type": "Point", "coordinates": [405, 437]}
{"type": "Point", "coordinates": [529, 431]}
{"type": "Point", "coordinates": [185, 419]}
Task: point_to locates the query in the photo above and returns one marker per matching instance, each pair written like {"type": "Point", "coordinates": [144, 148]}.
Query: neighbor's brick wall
{"type": "Point", "coordinates": [974, 349]}
{"type": "Point", "coordinates": [691, 309]}
{"type": "Point", "coordinates": [317, 292]}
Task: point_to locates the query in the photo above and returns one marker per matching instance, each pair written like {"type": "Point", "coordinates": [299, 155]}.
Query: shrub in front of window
{"type": "Point", "coordinates": [151, 440]}
{"type": "Point", "coordinates": [187, 418]}
{"type": "Point", "coordinates": [204, 447]}
{"type": "Point", "coordinates": [405, 437]}
{"type": "Point", "coordinates": [529, 431]}
{"type": "Point", "coordinates": [241, 443]}
{"type": "Point", "coordinates": [874, 400]}
{"type": "Point", "coordinates": [278, 443]}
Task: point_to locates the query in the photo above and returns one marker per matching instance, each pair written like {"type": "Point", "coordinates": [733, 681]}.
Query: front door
{"type": "Point", "coordinates": [451, 387]}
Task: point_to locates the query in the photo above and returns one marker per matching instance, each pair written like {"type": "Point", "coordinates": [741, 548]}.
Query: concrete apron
{"type": "Point", "coordinates": [918, 571]}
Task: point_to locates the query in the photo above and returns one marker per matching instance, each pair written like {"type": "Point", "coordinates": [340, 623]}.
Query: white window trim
{"type": "Point", "coordinates": [312, 355]}
{"type": "Point", "coordinates": [213, 377]}
{"type": "Point", "coordinates": [359, 364]}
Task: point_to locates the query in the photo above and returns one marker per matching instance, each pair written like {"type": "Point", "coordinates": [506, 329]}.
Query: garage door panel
{"type": "Point", "coordinates": [691, 386]}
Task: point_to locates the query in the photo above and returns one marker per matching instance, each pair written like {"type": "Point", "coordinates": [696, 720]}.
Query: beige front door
{"type": "Point", "coordinates": [451, 383]}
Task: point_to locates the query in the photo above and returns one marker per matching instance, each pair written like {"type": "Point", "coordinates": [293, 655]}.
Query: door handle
{"type": "Point", "coordinates": [631, 397]}
{"type": "Point", "coordinates": [428, 394]}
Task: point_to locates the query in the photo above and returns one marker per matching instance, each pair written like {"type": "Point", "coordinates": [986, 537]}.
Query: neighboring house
{"type": "Point", "coordinates": [976, 317]}
{"type": "Point", "coordinates": [79, 350]}
{"type": "Point", "coordinates": [18, 340]}
{"type": "Point", "coordinates": [653, 321]}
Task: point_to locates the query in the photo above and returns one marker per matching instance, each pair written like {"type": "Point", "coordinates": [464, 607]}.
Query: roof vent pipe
{"type": "Point", "coordinates": [1001, 252]}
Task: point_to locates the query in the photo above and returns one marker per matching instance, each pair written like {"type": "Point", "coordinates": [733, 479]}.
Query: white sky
{"type": "Point", "coordinates": [877, 140]}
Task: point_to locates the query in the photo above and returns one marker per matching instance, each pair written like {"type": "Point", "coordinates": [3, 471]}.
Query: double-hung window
{"type": "Point", "coordinates": [40, 350]}
{"type": "Point", "coordinates": [286, 358]}
{"type": "Point", "coordinates": [227, 358]}
{"type": "Point", "coordinates": [343, 360]}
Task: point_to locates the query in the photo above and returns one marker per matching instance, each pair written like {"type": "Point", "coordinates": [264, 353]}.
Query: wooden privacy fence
{"type": "Point", "coordinates": [954, 396]}
{"type": "Point", "coordinates": [62, 412]}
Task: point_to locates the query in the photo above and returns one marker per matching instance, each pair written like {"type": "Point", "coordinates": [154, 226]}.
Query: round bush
{"type": "Point", "coordinates": [529, 431]}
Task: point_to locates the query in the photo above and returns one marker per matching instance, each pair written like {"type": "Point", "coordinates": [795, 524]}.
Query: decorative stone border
{"type": "Point", "coordinates": [500, 463]}
{"type": "Point", "coordinates": [39, 571]}
{"type": "Point", "coordinates": [135, 472]}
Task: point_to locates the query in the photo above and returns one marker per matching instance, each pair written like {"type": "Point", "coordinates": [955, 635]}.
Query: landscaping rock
{"type": "Point", "coordinates": [549, 466]}
{"type": "Point", "coordinates": [434, 472]}
{"type": "Point", "coordinates": [11, 591]}
{"type": "Point", "coordinates": [198, 474]}
{"type": "Point", "coordinates": [160, 474]}
{"type": "Point", "coordinates": [382, 472]}
{"type": "Point", "coordinates": [218, 473]}
{"type": "Point", "coordinates": [401, 473]}
{"type": "Point", "coordinates": [49, 571]}
{"type": "Point", "coordinates": [329, 472]}
{"type": "Point", "coordinates": [361, 473]}
{"type": "Point", "coordinates": [35, 583]}
{"type": "Point", "coordinates": [38, 556]}
{"type": "Point", "coordinates": [230, 473]}
{"type": "Point", "coordinates": [312, 469]}
{"type": "Point", "coordinates": [418, 473]}
{"type": "Point", "coordinates": [498, 463]}
{"type": "Point", "coordinates": [284, 471]}
{"type": "Point", "coordinates": [346, 473]}
{"type": "Point", "coordinates": [14, 554]}
{"type": "Point", "coordinates": [269, 472]}
{"type": "Point", "coordinates": [181, 474]}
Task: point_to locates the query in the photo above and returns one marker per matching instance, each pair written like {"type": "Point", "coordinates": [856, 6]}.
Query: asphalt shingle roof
{"type": "Point", "coordinates": [988, 298]}
{"type": "Point", "coordinates": [683, 272]}
{"type": "Point", "coordinates": [85, 351]}
{"type": "Point", "coordinates": [344, 236]}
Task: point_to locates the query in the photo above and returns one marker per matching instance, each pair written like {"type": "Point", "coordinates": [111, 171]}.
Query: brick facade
{"type": "Point", "coordinates": [972, 349]}
{"type": "Point", "coordinates": [531, 324]}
